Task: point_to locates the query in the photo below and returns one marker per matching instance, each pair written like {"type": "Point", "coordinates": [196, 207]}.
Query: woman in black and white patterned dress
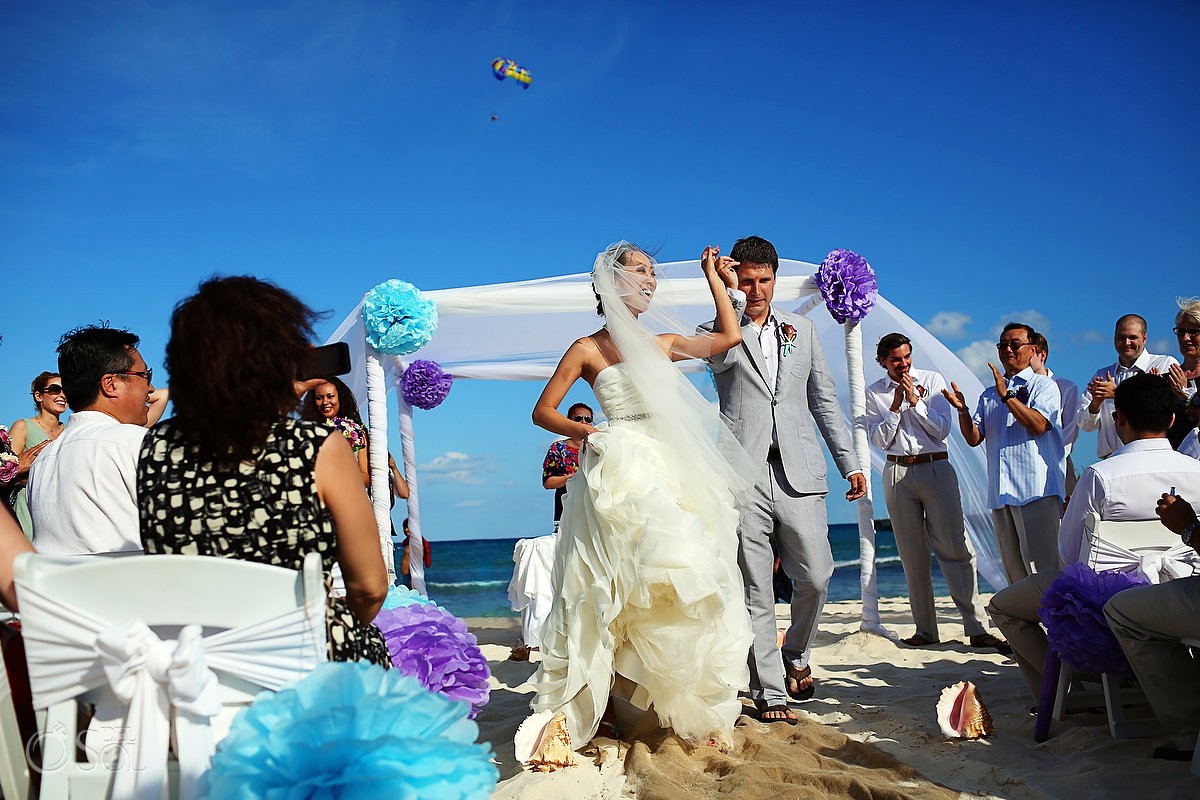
{"type": "Point", "coordinates": [233, 475]}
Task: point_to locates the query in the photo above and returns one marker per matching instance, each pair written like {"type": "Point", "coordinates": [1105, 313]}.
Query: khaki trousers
{"type": "Point", "coordinates": [1028, 537]}
{"type": "Point", "coordinates": [1014, 610]}
{"type": "Point", "coordinates": [924, 506]}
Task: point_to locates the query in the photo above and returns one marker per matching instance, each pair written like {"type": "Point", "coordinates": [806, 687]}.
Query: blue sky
{"type": "Point", "coordinates": [992, 161]}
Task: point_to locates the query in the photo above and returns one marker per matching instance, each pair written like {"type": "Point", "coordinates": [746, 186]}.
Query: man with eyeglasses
{"type": "Point", "coordinates": [81, 488]}
{"type": "Point", "coordinates": [1020, 419]}
{"type": "Point", "coordinates": [1096, 407]}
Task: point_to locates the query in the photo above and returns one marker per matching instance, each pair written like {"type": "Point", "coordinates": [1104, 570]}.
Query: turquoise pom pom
{"type": "Point", "coordinates": [397, 318]}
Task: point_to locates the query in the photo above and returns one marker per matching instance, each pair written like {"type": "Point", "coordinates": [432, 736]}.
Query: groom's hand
{"type": "Point", "coordinates": [858, 486]}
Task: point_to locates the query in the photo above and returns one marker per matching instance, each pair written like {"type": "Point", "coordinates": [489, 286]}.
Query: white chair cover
{"type": "Point", "coordinates": [1154, 565]}
{"type": "Point", "coordinates": [69, 652]}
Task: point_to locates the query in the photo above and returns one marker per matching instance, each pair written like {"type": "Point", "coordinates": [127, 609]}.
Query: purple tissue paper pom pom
{"type": "Point", "coordinates": [424, 384]}
{"type": "Point", "coordinates": [847, 285]}
{"type": "Point", "coordinates": [435, 647]}
{"type": "Point", "coordinates": [1073, 613]}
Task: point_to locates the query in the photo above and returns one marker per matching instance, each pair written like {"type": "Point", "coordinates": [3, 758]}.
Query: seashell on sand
{"type": "Point", "coordinates": [543, 743]}
{"type": "Point", "coordinates": [961, 713]}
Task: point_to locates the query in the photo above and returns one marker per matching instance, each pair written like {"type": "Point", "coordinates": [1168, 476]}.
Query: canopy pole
{"type": "Point", "coordinates": [416, 542]}
{"type": "Point", "coordinates": [377, 461]}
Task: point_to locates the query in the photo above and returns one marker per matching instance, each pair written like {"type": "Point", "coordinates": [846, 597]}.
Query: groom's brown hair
{"type": "Point", "coordinates": [755, 250]}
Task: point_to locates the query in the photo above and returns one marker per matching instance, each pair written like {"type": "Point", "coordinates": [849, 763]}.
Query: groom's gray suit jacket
{"type": "Point", "coordinates": [804, 392]}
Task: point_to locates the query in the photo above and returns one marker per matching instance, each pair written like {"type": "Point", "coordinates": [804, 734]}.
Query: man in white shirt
{"type": "Point", "coordinates": [1096, 407]}
{"type": "Point", "coordinates": [909, 419]}
{"type": "Point", "coordinates": [1020, 419]}
{"type": "Point", "coordinates": [81, 488]}
{"type": "Point", "coordinates": [1124, 486]}
{"type": "Point", "coordinates": [1068, 393]}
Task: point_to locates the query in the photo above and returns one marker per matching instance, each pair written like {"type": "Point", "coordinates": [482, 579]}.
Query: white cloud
{"type": "Point", "coordinates": [1091, 337]}
{"type": "Point", "coordinates": [1035, 319]}
{"type": "Point", "coordinates": [455, 467]}
{"type": "Point", "coordinates": [976, 356]}
{"type": "Point", "coordinates": [1162, 347]}
{"type": "Point", "coordinates": [468, 504]}
{"type": "Point", "coordinates": [948, 324]}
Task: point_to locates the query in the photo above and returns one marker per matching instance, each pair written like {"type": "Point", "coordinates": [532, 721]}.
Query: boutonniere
{"type": "Point", "coordinates": [921, 391]}
{"type": "Point", "coordinates": [787, 336]}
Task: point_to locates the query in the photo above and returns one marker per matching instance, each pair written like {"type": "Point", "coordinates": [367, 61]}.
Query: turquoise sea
{"type": "Point", "coordinates": [470, 577]}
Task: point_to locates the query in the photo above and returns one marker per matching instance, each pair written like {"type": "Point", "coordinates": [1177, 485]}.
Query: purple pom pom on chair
{"type": "Point", "coordinates": [1073, 613]}
{"type": "Point", "coordinates": [435, 647]}
{"type": "Point", "coordinates": [424, 384]}
{"type": "Point", "coordinates": [847, 285]}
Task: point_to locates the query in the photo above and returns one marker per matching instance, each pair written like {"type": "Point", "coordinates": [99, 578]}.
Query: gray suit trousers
{"type": "Point", "coordinates": [1149, 621]}
{"type": "Point", "coordinates": [926, 513]}
{"type": "Point", "coordinates": [796, 523]}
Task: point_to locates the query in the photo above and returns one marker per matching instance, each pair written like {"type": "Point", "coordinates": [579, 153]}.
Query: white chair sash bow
{"type": "Point", "coordinates": [69, 652]}
{"type": "Point", "coordinates": [1155, 566]}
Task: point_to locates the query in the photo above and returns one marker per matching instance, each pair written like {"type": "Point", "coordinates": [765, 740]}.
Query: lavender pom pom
{"type": "Point", "coordinates": [847, 285]}
{"type": "Point", "coordinates": [1073, 613]}
{"type": "Point", "coordinates": [352, 730]}
{"type": "Point", "coordinates": [435, 647]}
{"type": "Point", "coordinates": [398, 319]}
{"type": "Point", "coordinates": [424, 384]}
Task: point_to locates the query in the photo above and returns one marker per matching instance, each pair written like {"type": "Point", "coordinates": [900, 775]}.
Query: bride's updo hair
{"type": "Point", "coordinates": [616, 256]}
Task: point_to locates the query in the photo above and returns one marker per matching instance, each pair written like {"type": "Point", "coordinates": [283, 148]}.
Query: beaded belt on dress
{"type": "Point", "coordinates": [631, 417]}
{"type": "Point", "coordinates": [923, 458]}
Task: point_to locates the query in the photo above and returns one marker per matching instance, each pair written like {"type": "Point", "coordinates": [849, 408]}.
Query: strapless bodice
{"type": "Point", "coordinates": [621, 402]}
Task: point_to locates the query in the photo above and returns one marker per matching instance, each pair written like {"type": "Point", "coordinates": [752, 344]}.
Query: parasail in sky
{"type": "Point", "coordinates": [507, 68]}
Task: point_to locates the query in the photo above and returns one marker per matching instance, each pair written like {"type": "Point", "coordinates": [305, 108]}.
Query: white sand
{"type": "Point", "coordinates": [884, 694]}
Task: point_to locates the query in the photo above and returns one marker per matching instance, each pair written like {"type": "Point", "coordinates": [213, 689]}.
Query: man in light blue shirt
{"type": "Point", "coordinates": [1020, 419]}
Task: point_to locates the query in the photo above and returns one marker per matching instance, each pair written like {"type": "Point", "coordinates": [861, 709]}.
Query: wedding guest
{"type": "Point", "coordinates": [1129, 339]}
{"type": "Point", "coordinates": [82, 497]}
{"type": "Point", "coordinates": [1122, 487]}
{"type": "Point", "coordinates": [1190, 446]}
{"type": "Point", "coordinates": [1068, 393]}
{"type": "Point", "coordinates": [28, 437]}
{"type": "Point", "coordinates": [1150, 621]}
{"type": "Point", "coordinates": [332, 402]}
{"type": "Point", "coordinates": [272, 488]}
{"type": "Point", "coordinates": [12, 544]}
{"type": "Point", "coordinates": [1020, 419]}
{"type": "Point", "coordinates": [909, 419]}
{"type": "Point", "coordinates": [1185, 377]}
{"type": "Point", "coordinates": [562, 459]}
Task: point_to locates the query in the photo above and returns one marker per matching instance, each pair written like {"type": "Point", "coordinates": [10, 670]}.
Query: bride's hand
{"type": "Point", "coordinates": [711, 261]}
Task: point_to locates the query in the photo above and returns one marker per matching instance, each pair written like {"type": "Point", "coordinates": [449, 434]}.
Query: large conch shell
{"type": "Point", "coordinates": [961, 713]}
{"type": "Point", "coordinates": [543, 743]}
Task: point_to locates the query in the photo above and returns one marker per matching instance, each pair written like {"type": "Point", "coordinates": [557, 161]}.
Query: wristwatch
{"type": "Point", "coordinates": [1189, 531]}
{"type": "Point", "coordinates": [1011, 395]}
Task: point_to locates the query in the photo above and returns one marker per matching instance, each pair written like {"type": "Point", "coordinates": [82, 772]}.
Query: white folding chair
{"type": "Point", "coordinates": [14, 769]}
{"type": "Point", "coordinates": [164, 647]}
{"type": "Point", "coordinates": [1147, 548]}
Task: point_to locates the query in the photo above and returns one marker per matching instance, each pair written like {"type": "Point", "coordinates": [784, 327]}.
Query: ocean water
{"type": "Point", "coordinates": [470, 577]}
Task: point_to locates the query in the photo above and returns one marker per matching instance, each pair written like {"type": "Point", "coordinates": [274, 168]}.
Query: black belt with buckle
{"type": "Point", "coordinates": [923, 458]}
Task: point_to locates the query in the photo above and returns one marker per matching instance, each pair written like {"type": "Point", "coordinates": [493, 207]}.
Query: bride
{"type": "Point", "coordinates": [646, 582]}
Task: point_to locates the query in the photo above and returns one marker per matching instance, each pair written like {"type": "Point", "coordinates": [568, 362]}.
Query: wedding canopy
{"type": "Point", "coordinates": [519, 330]}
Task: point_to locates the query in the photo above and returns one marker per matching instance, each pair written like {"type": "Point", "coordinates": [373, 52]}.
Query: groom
{"type": "Point", "coordinates": [772, 387]}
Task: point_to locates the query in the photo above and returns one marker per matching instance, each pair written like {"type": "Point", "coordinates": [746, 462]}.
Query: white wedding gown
{"type": "Point", "coordinates": [646, 582]}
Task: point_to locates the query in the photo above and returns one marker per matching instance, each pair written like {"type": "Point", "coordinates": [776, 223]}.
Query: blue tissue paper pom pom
{"type": "Point", "coordinates": [352, 730]}
{"type": "Point", "coordinates": [397, 318]}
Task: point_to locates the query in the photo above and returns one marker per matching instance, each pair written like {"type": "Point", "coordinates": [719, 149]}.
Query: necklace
{"type": "Point", "coordinates": [50, 434]}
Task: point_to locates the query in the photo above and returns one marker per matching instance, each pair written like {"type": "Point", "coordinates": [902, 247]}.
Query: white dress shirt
{"type": "Point", "coordinates": [914, 429]}
{"type": "Point", "coordinates": [1190, 446]}
{"type": "Point", "coordinates": [1126, 486]}
{"type": "Point", "coordinates": [82, 495]}
{"type": "Point", "coordinates": [1107, 440]}
{"type": "Point", "coordinates": [1022, 467]}
{"type": "Point", "coordinates": [1068, 392]}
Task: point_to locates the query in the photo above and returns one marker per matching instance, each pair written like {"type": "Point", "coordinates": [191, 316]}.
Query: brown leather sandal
{"type": "Point", "coordinates": [795, 676]}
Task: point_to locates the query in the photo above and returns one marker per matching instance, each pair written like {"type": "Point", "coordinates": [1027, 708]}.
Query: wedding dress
{"type": "Point", "coordinates": [646, 580]}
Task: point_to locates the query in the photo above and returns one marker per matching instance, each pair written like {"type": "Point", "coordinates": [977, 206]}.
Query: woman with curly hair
{"type": "Point", "coordinates": [233, 474]}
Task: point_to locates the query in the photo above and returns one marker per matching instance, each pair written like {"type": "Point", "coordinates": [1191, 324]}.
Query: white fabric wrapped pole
{"type": "Point", "coordinates": [381, 498]}
{"type": "Point", "coordinates": [416, 544]}
{"type": "Point", "coordinates": [866, 521]}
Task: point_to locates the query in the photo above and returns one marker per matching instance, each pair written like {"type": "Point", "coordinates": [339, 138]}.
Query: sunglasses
{"type": "Point", "coordinates": [1181, 331]}
{"type": "Point", "coordinates": [581, 418]}
{"type": "Point", "coordinates": [1010, 345]}
{"type": "Point", "coordinates": [147, 374]}
{"type": "Point", "coordinates": [52, 388]}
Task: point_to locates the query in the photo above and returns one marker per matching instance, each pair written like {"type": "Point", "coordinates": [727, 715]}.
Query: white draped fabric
{"type": "Point", "coordinates": [1155, 566]}
{"type": "Point", "coordinates": [69, 651]}
{"type": "Point", "coordinates": [519, 330]}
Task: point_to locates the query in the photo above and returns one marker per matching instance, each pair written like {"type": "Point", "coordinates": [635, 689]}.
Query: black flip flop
{"type": "Point", "coordinates": [789, 717]}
